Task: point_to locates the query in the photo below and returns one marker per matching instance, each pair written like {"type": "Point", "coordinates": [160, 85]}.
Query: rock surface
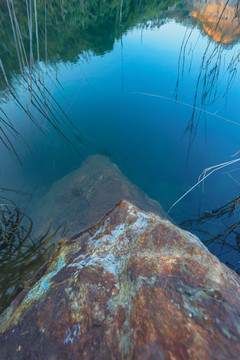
{"type": "Point", "coordinates": [132, 287]}
{"type": "Point", "coordinates": [73, 203]}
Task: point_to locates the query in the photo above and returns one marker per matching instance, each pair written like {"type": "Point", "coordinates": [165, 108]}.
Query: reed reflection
{"type": "Point", "coordinates": [220, 21]}
{"type": "Point", "coordinates": [222, 231]}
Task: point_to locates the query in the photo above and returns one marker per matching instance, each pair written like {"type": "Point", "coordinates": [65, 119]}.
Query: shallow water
{"type": "Point", "coordinates": [97, 70]}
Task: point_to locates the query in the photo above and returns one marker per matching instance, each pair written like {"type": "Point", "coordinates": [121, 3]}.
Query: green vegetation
{"type": "Point", "coordinates": [21, 254]}
{"type": "Point", "coordinates": [74, 27]}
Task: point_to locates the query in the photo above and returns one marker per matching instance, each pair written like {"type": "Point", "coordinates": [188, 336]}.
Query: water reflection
{"type": "Point", "coordinates": [225, 228]}
{"type": "Point", "coordinates": [220, 21]}
{"type": "Point", "coordinates": [62, 31]}
{"type": "Point", "coordinates": [73, 28]}
{"type": "Point", "coordinates": [48, 32]}
{"type": "Point", "coordinates": [38, 34]}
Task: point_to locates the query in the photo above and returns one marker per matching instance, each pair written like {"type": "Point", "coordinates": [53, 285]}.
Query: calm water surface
{"type": "Point", "coordinates": [99, 64]}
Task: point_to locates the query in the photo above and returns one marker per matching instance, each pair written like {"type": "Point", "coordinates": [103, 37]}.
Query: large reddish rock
{"type": "Point", "coordinates": [132, 287]}
{"type": "Point", "coordinates": [72, 204]}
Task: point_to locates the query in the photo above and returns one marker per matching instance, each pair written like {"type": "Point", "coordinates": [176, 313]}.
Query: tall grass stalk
{"type": "Point", "coordinates": [15, 37]}
{"type": "Point", "coordinates": [45, 10]}
{"type": "Point", "coordinates": [36, 25]}
{"type": "Point", "coordinates": [33, 81]}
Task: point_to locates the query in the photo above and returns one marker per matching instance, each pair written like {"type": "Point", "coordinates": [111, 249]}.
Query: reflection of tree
{"type": "Point", "coordinates": [63, 30]}
{"type": "Point", "coordinates": [74, 27]}
{"type": "Point", "coordinates": [34, 31]}
{"type": "Point", "coordinates": [228, 239]}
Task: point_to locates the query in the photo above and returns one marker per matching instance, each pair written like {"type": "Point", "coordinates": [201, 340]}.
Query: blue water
{"type": "Point", "coordinates": [146, 136]}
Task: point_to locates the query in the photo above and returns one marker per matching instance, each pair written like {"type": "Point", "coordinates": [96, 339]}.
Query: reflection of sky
{"type": "Point", "coordinates": [145, 136]}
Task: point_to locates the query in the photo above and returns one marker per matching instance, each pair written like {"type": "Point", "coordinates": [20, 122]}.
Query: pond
{"type": "Point", "coordinates": [152, 85]}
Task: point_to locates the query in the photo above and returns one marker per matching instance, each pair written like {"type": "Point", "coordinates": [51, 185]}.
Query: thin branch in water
{"type": "Point", "coordinates": [191, 106]}
{"type": "Point", "coordinates": [204, 176]}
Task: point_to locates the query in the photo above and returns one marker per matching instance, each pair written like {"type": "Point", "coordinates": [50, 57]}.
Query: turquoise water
{"type": "Point", "coordinates": [97, 81]}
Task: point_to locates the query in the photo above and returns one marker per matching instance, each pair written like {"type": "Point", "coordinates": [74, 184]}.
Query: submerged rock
{"type": "Point", "coordinates": [134, 286]}
{"type": "Point", "coordinates": [80, 199]}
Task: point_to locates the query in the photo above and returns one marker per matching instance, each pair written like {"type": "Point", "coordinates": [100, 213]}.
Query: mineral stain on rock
{"type": "Point", "coordinates": [134, 286]}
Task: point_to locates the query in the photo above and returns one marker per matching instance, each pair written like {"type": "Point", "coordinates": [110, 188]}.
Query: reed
{"type": "Point", "coordinates": [213, 64]}
{"type": "Point", "coordinates": [32, 80]}
{"type": "Point", "coordinates": [205, 174]}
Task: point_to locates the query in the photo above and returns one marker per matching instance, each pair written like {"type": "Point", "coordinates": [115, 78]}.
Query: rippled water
{"type": "Point", "coordinates": [153, 85]}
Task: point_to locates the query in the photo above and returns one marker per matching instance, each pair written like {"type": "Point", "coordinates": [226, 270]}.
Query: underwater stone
{"type": "Point", "coordinates": [81, 198]}
{"type": "Point", "coordinates": [134, 286]}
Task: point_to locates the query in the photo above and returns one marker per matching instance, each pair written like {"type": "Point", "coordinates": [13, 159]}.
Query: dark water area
{"type": "Point", "coordinates": [152, 85]}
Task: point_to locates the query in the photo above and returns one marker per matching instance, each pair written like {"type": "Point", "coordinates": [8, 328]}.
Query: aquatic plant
{"type": "Point", "coordinates": [12, 233]}
{"type": "Point", "coordinates": [22, 253]}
